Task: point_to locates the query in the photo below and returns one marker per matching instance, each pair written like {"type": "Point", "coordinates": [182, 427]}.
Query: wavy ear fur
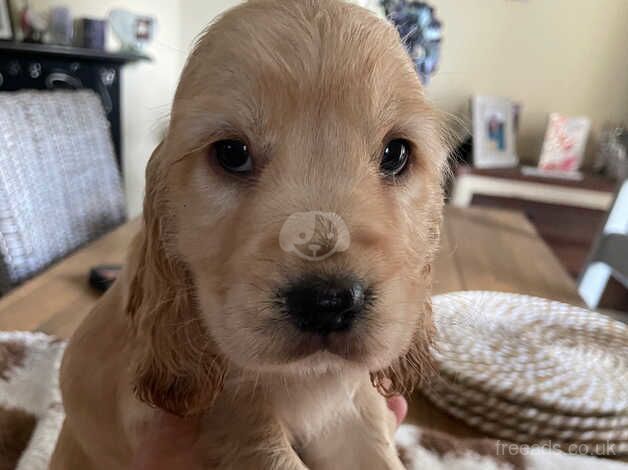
{"type": "Point", "coordinates": [176, 368]}
{"type": "Point", "coordinates": [415, 367]}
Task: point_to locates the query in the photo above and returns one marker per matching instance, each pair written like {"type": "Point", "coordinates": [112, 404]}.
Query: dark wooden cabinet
{"type": "Point", "coordinates": [47, 67]}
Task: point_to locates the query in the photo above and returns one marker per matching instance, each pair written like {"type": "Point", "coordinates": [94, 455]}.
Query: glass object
{"type": "Point", "coordinates": [134, 31]}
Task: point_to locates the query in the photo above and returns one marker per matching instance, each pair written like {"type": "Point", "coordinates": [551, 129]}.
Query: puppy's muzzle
{"type": "Point", "coordinates": [324, 305]}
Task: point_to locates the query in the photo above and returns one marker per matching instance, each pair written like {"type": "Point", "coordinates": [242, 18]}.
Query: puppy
{"type": "Point", "coordinates": [280, 282]}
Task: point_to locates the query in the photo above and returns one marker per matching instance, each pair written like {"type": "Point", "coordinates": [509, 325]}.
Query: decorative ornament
{"type": "Point", "coordinates": [420, 31]}
{"type": "Point", "coordinates": [60, 26]}
{"type": "Point", "coordinates": [612, 155]}
{"type": "Point", "coordinates": [133, 31]}
{"type": "Point", "coordinates": [34, 25]}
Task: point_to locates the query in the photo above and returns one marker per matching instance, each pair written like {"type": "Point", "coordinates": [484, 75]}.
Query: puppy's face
{"type": "Point", "coordinates": [303, 172]}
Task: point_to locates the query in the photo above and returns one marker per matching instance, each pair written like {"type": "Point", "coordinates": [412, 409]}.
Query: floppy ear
{"type": "Point", "coordinates": [412, 368]}
{"type": "Point", "coordinates": [176, 368]}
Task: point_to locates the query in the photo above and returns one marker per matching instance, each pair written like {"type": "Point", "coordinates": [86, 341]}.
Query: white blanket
{"type": "Point", "coordinates": [30, 400]}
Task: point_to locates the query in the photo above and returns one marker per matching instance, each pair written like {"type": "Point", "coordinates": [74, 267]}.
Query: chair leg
{"type": "Point", "coordinates": [593, 282]}
{"type": "Point", "coordinates": [609, 252]}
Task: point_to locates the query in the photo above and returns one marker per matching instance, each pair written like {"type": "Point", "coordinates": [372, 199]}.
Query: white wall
{"type": "Point", "coordinates": [147, 96]}
{"type": "Point", "coordinates": [569, 56]}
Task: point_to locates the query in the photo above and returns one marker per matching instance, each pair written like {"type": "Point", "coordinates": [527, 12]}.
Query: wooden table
{"type": "Point", "coordinates": [568, 214]}
{"type": "Point", "coordinates": [481, 249]}
{"type": "Point", "coordinates": [490, 249]}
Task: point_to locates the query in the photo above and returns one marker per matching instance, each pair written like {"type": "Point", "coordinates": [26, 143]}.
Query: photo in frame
{"type": "Point", "coordinates": [6, 26]}
{"type": "Point", "coordinates": [565, 143]}
{"type": "Point", "coordinates": [494, 132]}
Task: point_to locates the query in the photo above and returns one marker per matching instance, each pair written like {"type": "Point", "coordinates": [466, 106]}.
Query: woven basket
{"type": "Point", "coordinates": [532, 370]}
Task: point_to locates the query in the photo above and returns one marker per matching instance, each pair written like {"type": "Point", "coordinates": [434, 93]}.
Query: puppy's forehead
{"type": "Point", "coordinates": [285, 60]}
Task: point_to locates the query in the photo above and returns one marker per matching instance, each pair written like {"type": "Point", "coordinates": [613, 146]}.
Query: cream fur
{"type": "Point", "coordinates": [316, 88]}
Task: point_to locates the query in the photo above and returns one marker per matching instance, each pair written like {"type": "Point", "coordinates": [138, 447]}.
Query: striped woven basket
{"type": "Point", "coordinates": [532, 370]}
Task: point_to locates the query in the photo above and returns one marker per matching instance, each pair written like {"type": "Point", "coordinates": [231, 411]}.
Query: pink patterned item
{"type": "Point", "coordinates": [565, 143]}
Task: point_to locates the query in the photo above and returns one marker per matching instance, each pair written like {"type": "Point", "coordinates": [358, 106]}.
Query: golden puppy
{"type": "Point", "coordinates": [282, 275]}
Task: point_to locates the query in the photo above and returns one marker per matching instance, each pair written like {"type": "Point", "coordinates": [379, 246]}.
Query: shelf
{"type": "Point", "coordinates": [588, 181]}
{"type": "Point", "coordinates": [70, 52]}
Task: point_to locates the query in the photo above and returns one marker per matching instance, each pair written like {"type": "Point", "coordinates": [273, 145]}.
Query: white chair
{"type": "Point", "coordinates": [609, 256]}
{"type": "Point", "coordinates": [59, 182]}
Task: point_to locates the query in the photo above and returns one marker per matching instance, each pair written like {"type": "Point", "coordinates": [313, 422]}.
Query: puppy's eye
{"type": "Point", "coordinates": [233, 156]}
{"type": "Point", "coordinates": [395, 157]}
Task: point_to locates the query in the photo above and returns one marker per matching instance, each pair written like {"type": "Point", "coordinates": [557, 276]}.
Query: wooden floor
{"type": "Point", "coordinates": [481, 250]}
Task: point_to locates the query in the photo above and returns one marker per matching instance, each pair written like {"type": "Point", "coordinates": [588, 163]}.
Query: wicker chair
{"type": "Point", "coordinates": [59, 183]}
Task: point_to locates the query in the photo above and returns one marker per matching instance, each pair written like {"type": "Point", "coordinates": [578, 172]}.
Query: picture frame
{"type": "Point", "coordinates": [565, 143]}
{"type": "Point", "coordinates": [494, 132]}
{"type": "Point", "coordinates": [6, 21]}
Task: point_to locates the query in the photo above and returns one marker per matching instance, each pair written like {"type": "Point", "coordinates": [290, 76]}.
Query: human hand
{"type": "Point", "coordinates": [399, 406]}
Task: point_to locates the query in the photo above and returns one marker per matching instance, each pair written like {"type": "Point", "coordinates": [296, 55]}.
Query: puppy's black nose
{"type": "Point", "coordinates": [325, 304]}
